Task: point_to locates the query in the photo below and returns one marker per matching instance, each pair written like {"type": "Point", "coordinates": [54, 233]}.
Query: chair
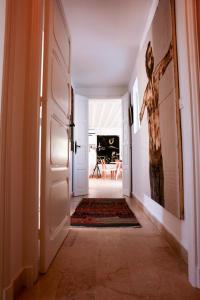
{"type": "Point", "coordinates": [107, 171]}
{"type": "Point", "coordinates": [118, 172]}
{"type": "Point", "coordinates": [104, 170]}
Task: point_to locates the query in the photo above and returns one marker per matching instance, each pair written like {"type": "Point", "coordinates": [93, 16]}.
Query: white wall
{"type": "Point", "coordinates": [102, 92]}
{"type": "Point", "coordinates": [141, 187]}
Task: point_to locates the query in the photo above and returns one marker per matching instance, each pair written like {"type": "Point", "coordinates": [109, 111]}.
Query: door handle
{"type": "Point", "coordinates": [72, 125]}
{"type": "Point", "coordinates": [76, 146]}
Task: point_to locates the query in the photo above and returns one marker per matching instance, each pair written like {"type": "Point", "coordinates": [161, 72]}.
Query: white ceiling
{"type": "Point", "coordinates": [105, 39]}
{"type": "Point", "coordinates": [105, 114]}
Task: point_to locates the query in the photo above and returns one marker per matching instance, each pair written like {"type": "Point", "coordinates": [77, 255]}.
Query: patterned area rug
{"type": "Point", "coordinates": [104, 212]}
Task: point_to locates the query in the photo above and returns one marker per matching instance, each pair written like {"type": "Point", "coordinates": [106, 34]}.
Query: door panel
{"type": "Point", "coordinates": [55, 201]}
{"type": "Point", "coordinates": [59, 144]}
{"type": "Point", "coordinates": [81, 138]}
{"type": "Point", "coordinates": [59, 85]}
{"type": "Point", "coordinates": [126, 147]}
{"type": "Point", "coordinates": [58, 204]}
{"type": "Point", "coordinates": [62, 38]}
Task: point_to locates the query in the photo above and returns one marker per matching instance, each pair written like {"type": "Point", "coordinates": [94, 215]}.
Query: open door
{"type": "Point", "coordinates": [81, 153]}
{"type": "Point", "coordinates": [126, 155]}
{"type": "Point", "coordinates": [55, 217]}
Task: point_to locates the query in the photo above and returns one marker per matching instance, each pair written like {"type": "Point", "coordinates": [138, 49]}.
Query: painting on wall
{"type": "Point", "coordinates": [161, 104]}
{"type": "Point", "coordinates": [107, 148]}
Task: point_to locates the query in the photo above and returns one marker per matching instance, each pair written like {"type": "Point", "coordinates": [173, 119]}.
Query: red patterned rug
{"type": "Point", "coordinates": [104, 212]}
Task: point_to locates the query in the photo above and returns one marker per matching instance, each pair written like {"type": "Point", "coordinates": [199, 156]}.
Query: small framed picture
{"type": "Point", "coordinates": [131, 115]}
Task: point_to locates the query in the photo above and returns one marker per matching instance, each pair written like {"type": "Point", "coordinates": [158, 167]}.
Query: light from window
{"type": "Point", "coordinates": [136, 106]}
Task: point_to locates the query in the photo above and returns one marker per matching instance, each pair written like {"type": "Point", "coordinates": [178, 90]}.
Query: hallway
{"type": "Point", "coordinates": [116, 264]}
{"type": "Point", "coordinates": [55, 57]}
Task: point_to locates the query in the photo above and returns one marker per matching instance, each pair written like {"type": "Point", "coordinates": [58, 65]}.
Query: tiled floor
{"type": "Point", "coordinates": [114, 264]}
{"type": "Point", "coordinates": [101, 188]}
{"type": "Point", "coordinates": [107, 188]}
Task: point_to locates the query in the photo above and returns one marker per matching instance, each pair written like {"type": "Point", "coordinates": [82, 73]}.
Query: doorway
{"type": "Point", "coordinates": [102, 145]}
{"type": "Point", "coordinates": [105, 147]}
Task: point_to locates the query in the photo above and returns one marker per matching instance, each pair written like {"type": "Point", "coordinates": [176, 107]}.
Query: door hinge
{"type": "Point", "coordinates": [181, 106]}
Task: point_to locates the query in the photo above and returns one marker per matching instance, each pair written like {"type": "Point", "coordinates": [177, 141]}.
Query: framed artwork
{"type": "Point", "coordinates": [136, 106]}
{"type": "Point", "coordinates": [130, 110]}
{"type": "Point", "coordinates": [160, 104]}
{"type": "Point", "coordinates": [107, 148]}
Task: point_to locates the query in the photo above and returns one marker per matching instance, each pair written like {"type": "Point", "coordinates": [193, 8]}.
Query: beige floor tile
{"type": "Point", "coordinates": [114, 264]}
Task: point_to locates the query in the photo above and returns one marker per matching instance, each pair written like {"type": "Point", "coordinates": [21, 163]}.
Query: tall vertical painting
{"type": "Point", "coordinates": [160, 105]}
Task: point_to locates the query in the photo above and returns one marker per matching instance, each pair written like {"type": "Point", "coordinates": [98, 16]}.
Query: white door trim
{"type": "Point", "coordinates": [6, 113]}
{"type": "Point", "coordinates": [127, 168]}
{"type": "Point", "coordinates": [31, 19]}
{"type": "Point", "coordinates": [194, 205]}
{"type": "Point", "coordinates": [3, 19]}
{"type": "Point", "coordinates": [31, 142]}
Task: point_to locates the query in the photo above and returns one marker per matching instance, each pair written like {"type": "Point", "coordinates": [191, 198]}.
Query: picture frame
{"type": "Point", "coordinates": [160, 105]}
{"type": "Point", "coordinates": [130, 110]}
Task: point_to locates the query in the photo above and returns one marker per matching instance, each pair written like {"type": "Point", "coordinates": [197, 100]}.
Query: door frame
{"type": "Point", "coordinates": [32, 18]}
{"type": "Point", "coordinates": [194, 83]}
{"type": "Point", "coordinates": [120, 99]}
{"type": "Point", "coordinates": [2, 203]}
{"type": "Point", "coordinates": [127, 96]}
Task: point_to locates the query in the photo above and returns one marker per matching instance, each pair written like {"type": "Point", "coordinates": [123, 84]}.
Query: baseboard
{"type": "Point", "coordinates": [178, 248]}
{"type": "Point", "coordinates": [23, 279]}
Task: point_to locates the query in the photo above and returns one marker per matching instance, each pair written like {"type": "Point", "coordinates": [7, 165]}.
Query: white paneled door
{"type": "Point", "coordinates": [126, 155]}
{"type": "Point", "coordinates": [80, 174]}
{"type": "Point", "coordinates": [55, 218]}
